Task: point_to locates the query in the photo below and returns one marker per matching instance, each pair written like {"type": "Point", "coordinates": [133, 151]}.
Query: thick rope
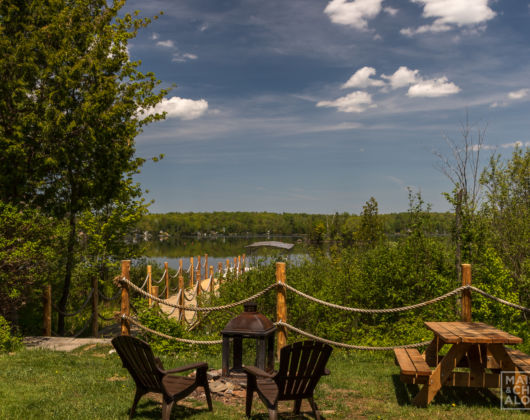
{"type": "Point", "coordinates": [83, 306]}
{"type": "Point", "coordinates": [163, 291]}
{"type": "Point", "coordinates": [161, 278]}
{"type": "Point", "coordinates": [102, 296]}
{"type": "Point", "coordinates": [176, 274]}
{"type": "Point", "coordinates": [373, 311]}
{"type": "Point", "coordinates": [169, 337]}
{"type": "Point", "coordinates": [208, 286]}
{"type": "Point", "coordinates": [105, 318]}
{"type": "Point", "coordinates": [145, 282]}
{"type": "Point", "coordinates": [349, 346]}
{"type": "Point", "coordinates": [495, 298]}
{"type": "Point", "coordinates": [195, 308]}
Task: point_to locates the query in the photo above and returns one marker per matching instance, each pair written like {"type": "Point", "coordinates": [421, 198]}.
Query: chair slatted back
{"type": "Point", "coordinates": [138, 359]}
{"type": "Point", "coordinates": [301, 366]}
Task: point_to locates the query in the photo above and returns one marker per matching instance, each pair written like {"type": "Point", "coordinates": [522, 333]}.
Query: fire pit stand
{"type": "Point", "coordinates": [249, 324]}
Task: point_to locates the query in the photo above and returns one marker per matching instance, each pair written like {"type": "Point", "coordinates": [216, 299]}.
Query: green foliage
{"type": "Point", "coordinates": [27, 256]}
{"type": "Point", "coordinates": [8, 340]}
{"type": "Point", "coordinates": [157, 320]}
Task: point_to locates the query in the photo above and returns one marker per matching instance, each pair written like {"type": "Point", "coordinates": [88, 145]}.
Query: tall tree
{"type": "Point", "coordinates": [462, 168]}
{"type": "Point", "coordinates": [71, 106]}
{"type": "Point", "coordinates": [370, 231]}
{"type": "Point", "coordinates": [507, 211]}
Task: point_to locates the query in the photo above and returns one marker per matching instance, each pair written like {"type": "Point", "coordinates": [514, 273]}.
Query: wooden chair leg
{"type": "Point", "coordinates": [273, 413]}
{"type": "Point", "coordinates": [297, 405]}
{"type": "Point", "coordinates": [137, 396]}
{"type": "Point", "coordinates": [166, 409]}
{"type": "Point", "coordinates": [208, 396]}
{"type": "Point", "coordinates": [314, 408]}
{"type": "Point", "coordinates": [251, 385]}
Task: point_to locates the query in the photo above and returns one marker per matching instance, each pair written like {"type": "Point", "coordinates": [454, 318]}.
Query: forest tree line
{"type": "Point", "coordinates": [317, 227]}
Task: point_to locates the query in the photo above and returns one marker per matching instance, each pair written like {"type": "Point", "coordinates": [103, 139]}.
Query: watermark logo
{"type": "Point", "coordinates": [515, 390]}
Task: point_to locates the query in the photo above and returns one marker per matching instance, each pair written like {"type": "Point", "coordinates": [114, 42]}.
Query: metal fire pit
{"type": "Point", "coordinates": [249, 324]}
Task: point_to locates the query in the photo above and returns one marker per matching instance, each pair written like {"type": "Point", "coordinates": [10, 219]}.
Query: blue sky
{"type": "Point", "coordinates": [315, 105]}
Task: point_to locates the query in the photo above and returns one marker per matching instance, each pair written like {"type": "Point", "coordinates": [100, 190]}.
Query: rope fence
{"type": "Point", "coordinates": [281, 323]}
{"type": "Point", "coordinates": [190, 294]}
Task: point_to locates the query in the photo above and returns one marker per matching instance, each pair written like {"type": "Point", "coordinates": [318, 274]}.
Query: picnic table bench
{"type": "Point", "coordinates": [476, 346]}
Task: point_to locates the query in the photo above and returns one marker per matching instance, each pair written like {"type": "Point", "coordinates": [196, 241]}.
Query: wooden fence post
{"type": "Point", "coordinates": [192, 272]}
{"type": "Point", "coordinates": [239, 264]}
{"type": "Point", "coordinates": [199, 268]}
{"type": "Point", "coordinates": [166, 266]}
{"type": "Point", "coordinates": [205, 266]}
{"type": "Point", "coordinates": [227, 266]}
{"type": "Point", "coordinates": [47, 310]}
{"type": "Point", "coordinates": [466, 294]}
{"type": "Point", "coordinates": [243, 261]}
{"type": "Point", "coordinates": [95, 302]}
{"type": "Point", "coordinates": [154, 292]}
{"type": "Point", "coordinates": [220, 269]}
{"type": "Point", "coordinates": [211, 279]}
{"type": "Point", "coordinates": [149, 283]}
{"type": "Point", "coordinates": [181, 289]}
{"type": "Point", "coordinates": [199, 281]}
{"type": "Point", "coordinates": [125, 272]}
{"type": "Point", "coordinates": [281, 307]}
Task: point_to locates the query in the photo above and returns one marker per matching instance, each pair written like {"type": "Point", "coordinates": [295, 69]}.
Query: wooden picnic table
{"type": "Point", "coordinates": [478, 347]}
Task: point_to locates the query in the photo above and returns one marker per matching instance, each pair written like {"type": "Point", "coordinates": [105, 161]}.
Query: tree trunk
{"type": "Point", "coordinates": [68, 274]}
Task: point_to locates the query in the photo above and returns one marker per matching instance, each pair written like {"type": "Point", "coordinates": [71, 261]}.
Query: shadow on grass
{"type": "Point", "coordinates": [469, 397]}
{"type": "Point", "coordinates": [149, 409]}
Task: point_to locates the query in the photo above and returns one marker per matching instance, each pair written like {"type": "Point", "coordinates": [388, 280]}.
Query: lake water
{"type": "Point", "coordinates": [219, 250]}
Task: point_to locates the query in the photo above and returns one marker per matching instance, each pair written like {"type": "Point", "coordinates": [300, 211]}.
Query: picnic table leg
{"type": "Point", "coordinates": [431, 352]}
{"type": "Point", "coordinates": [440, 374]}
{"type": "Point", "coordinates": [503, 358]}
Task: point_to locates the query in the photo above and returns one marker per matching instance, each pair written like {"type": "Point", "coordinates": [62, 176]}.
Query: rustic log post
{"type": "Point", "coordinates": [227, 266]}
{"type": "Point", "coordinates": [281, 307]}
{"type": "Point", "coordinates": [211, 280]}
{"type": "Point", "coordinates": [205, 266]}
{"type": "Point", "coordinates": [239, 264]}
{"type": "Point", "coordinates": [95, 303]}
{"type": "Point", "coordinates": [243, 261]}
{"type": "Point", "coordinates": [47, 310]}
{"type": "Point", "coordinates": [181, 289]}
{"type": "Point", "coordinates": [199, 268]}
{"type": "Point", "coordinates": [235, 265]}
{"type": "Point", "coordinates": [466, 294]}
{"type": "Point", "coordinates": [125, 273]}
{"type": "Point", "coordinates": [149, 283]}
{"type": "Point", "coordinates": [192, 272]}
{"type": "Point", "coordinates": [154, 292]}
{"type": "Point", "coordinates": [220, 269]}
{"type": "Point", "coordinates": [166, 266]}
{"type": "Point", "coordinates": [199, 281]}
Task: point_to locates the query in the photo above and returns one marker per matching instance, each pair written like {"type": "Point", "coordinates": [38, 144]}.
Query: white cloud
{"type": "Point", "coordinates": [361, 79]}
{"type": "Point", "coordinates": [154, 36]}
{"type": "Point", "coordinates": [180, 58]}
{"type": "Point", "coordinates": [390, 10]}
{"type": "Point", "coordinates": [357, 101]}
{"type": "Point", "coordinates": [354, 13]}
{"type": "Point", "coordinates": [167, 44]}
{"type": "Point", "coordinates": [451, 13]}
{"type": "Point", "coordinates": [477, 147]}
{"type": "Point", "coordinates": [433, 88]}
{"type": "Point", "coordinates": [402, 77]}
{"type": "Point", "coordinates": [518, 94]}
{"type": "Point", "coordinates": [185, 109]}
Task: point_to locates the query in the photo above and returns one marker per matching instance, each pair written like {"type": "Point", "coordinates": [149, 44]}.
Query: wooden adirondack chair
{"type": "Point", "coordinates": [150, 376]}
{"type": "Point", "coordinates": [301, 366]}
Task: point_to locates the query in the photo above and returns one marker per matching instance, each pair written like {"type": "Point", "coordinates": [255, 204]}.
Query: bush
{"type": "Point", "coordinates": [8, 340]}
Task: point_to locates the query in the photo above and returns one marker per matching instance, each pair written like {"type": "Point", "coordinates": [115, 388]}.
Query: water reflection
{"type": "Point", "coordinates": [221, 249]}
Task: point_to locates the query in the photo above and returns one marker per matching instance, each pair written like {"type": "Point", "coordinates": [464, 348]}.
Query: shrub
{"type": "Point", "coordinates": [8, 340]}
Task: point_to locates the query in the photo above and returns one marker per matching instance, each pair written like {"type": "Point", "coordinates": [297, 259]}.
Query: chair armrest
{"type": "Point", "coordinates": [158, 362]}
{"type": "Point", "coordinates": [254, 371]}
{"type": "Point", "coordinates": [199, 365]}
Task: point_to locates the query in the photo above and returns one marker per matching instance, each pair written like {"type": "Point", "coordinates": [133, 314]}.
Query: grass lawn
{"type": "Point", "coordinates": [90, 383]}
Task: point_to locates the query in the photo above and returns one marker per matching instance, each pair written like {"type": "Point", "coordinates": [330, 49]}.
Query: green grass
{"type": "Point", "coordinates": [91, 384]}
